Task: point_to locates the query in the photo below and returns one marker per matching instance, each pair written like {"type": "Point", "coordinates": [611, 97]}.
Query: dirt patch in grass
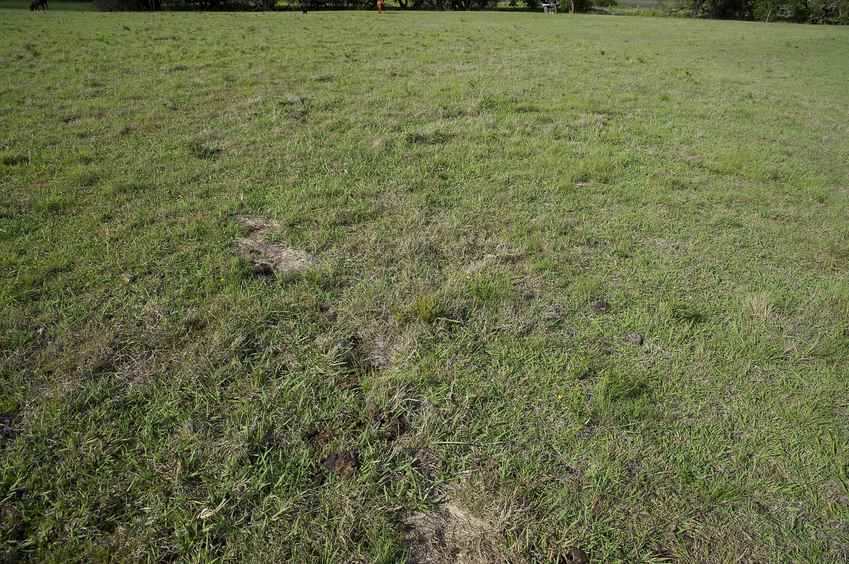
{"type": "Point", "coordinates": [574, 555]}
{"type": "Point", "coordinates": [835, 492]}
{"type": "Point", "coordinates": [268, 258]}
{"type": "Point", "coordinates": [634, 339]}
{"type": "Point", "coordinates": [12, 526]}
{"type": "Point", "coordinates": [7, 428]}
{"type": "Point", "coordinates": [452, 534]}
{"type": "Point", "coordinates": [347, 381]}
{"type": "Point", "coordinates": [390, 425]}
{"type": "Point", "coordinates": [343, 464]}
{"type": "Point", "coordinates": [391, 347]}
{"type": "Point", "coordinates": [319, 435]}
{"type": "Point", "coordinates": [427, 462]}
{"type": "Point", "coordinates": [257, 226]}
{"type": "Point", "coordinates": [601, 307]}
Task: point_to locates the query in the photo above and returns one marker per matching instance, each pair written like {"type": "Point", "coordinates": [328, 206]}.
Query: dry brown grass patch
{"type": "Point", "coordinates": [269, 258]}
{"type": "Point", "coordinates": [451, 534]}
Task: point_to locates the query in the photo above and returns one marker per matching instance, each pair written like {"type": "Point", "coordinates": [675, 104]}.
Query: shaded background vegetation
{"type": "Point", "coordinates": [153, 5]}
{"type": "Point", "coordinates": [812, 11]}
{"type": "Point", "coordinates": [801, 11]}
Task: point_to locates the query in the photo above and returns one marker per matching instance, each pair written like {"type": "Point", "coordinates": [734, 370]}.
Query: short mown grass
{"type": "Point", "coordinates": [583, 278]}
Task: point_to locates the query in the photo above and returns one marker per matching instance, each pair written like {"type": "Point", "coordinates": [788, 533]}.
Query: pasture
{"type": "Point", "coordinates": [428, 286]}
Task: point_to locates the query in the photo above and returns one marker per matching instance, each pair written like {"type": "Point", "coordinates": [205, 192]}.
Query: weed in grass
{"type": "Point", "coordinates": [484, 290]}
{"type": "Point", "coordinates": [681, 311]}
{"type": "Point", "coordinates": [428, 307]}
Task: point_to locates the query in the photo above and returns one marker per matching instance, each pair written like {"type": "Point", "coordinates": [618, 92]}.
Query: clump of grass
{"type": "Point", "coordinates": [686, 312]}
{"type": "Point", "coordinates": [204, 151]}
{"type": "Point", "coordinates": [627, 398]}
{"type": "Point", "coordinates": [297, 107]}
{"type": "Point", "coordinates": [484, 290]}
{"type": "Point", "coordinates": [15, 160]}
{"type": "Point", "coordinates": [129, 187]}
{"type": "Point", "coordinates": [428, 307]}
{"type": "Point", "coordinates": [587, 289]}
{"type": "Point", "coordinates": [86, 178]}
{"type": "Point", "coordinates": [425, 138]}
{"type": "Point", "coordinates": [53, 204]}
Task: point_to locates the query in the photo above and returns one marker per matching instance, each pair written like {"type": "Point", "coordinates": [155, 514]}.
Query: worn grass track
{"type": "Point", "coordinates": [577, 282]}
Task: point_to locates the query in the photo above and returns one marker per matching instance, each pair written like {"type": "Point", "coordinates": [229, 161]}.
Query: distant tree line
{"type": "Point", "coordinates": [810, 11]}
{"type": "Point", "coordinates": [154, 5]}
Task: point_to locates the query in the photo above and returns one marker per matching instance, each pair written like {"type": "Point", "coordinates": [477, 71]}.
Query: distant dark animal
{"type": "Point", "coordinates": [38, 5]}
{"type": "Point", "coordinates": [305, 6]}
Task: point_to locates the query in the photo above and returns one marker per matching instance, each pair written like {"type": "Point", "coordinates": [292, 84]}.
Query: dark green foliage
{"type": "Point", "coordinates": [128, 5]}
{"type": "Point", "coordinates": [811, 11]}
{"type": "Point", "coordinates": [211, 5]}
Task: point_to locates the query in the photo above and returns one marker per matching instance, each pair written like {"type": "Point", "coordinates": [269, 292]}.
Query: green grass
{"type": "Point", "coordinates": [495, 203]}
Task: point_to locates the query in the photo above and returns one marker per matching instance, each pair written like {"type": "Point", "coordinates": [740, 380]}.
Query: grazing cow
{"type": "Point", "coordinates": [38, 5]}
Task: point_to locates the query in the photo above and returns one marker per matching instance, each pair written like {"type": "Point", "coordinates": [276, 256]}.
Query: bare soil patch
{"type": "Point", "coordinates": [601, 307]}
{"type": "Point", "coordinates": [269, 258]}
{"type": "Point", "coordinates": [635, 339]}
{"type": "Point", "coordinates": [7, 428]}
{"type": "Point", "coordinates": [343, 464]}
{"type": "Point", "coordinates": [390, 425]}
{"type": "Point", "coordinates": [575, 555]}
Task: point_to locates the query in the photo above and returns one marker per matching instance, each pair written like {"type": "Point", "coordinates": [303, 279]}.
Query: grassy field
{"type": "Point", "coordinates": [427, 286]}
